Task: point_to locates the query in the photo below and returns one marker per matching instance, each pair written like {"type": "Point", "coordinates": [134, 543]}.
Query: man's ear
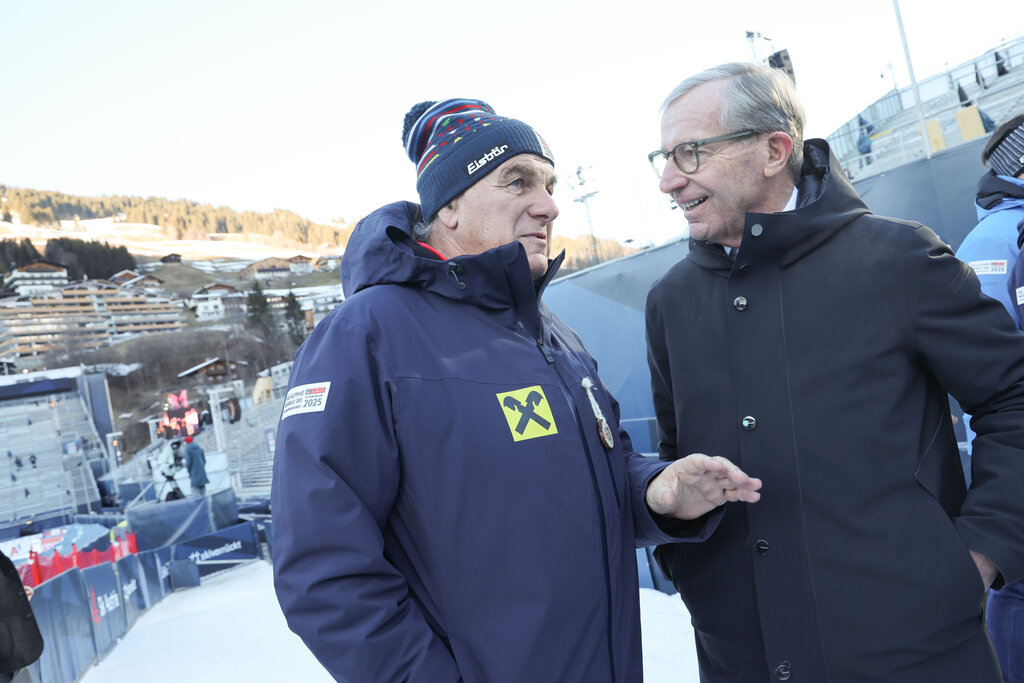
{"type": "Point", "coordinates": [780, 146]}
{"type": "Point", "coordinates": [449, 215]}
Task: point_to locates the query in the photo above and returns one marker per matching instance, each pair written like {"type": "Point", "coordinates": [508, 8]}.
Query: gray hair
{"type": "Point", "coordinates": [422, 229]}
{"type": "Point", "coordinates": [760, 98]}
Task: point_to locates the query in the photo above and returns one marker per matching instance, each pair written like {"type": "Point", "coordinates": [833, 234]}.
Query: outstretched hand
{"type": "Point", "coordinates": [697, 484]}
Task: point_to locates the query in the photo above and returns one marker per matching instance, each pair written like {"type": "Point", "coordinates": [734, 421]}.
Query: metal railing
{"type": "Point", "coordinates": [993, 82]}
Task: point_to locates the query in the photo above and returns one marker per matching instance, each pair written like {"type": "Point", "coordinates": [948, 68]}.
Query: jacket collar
{"type": "Point", "coordinates": [827, 204]}
{"type": "Point", "coordinates": [994, 189]}
{"type": "Point", "coordinates": [381, 251]}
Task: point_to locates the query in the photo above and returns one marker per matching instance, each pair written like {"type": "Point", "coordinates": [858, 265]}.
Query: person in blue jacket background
{"type": "Point", "coordinates": [453, 498]}
{"type": "Point", "coordinates": [195, 463]}
{"type": "Point", "coordinates": [992, 249]}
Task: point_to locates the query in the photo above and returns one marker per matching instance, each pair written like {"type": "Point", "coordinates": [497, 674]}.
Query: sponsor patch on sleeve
{"type": "Point", "coordinates": [990, 267]}
{"type": "Point", "coordinates": [306, 398]}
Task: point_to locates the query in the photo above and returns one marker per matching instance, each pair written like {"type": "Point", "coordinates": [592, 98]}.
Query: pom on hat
{"type": "Point", "coordinates": [456, 142]}
{"type": "Point", "coordinates": [412, 116]}
{"type": "Point", "coordinates": [188, 439]}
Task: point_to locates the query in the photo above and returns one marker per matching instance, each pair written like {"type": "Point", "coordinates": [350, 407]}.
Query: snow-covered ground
{"type": "Point", "coordinates": [231, 629]}
{"type": "Point", "coordinates": [149, 240]}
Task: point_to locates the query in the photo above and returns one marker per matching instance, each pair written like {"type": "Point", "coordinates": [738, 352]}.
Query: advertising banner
{"type": "Point", "coordinates": [184, 574]}
{"type": "Point", "coordinates": [129, 571]}
{"type": "Point", "coordinates": [152, 585]}
{"type": "Point", "coordinates": [266, 529]}
{"type": "Point", "coordinates": [104, 600]}
{"type": "Point", "coordinates": [163, 559]}
{"type": "Point", "coordinates": [61, 609]}
{"type": "Point", "coordinates": [216, 551]}
{"type": "Point", "coordinates": [223, 508]}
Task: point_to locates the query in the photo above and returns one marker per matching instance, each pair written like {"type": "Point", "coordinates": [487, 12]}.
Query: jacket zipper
{"type": "Point", "coordinates": [542, 347]}
{"type": "Point", "coordinates": [597, 490]}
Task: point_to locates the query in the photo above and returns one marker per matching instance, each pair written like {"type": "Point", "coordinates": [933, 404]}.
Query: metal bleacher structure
{"type": "Point", "coordinates": [49, 443]}
{"type": "Point", "coordinates": [993, 83]}
{"type": "Point", "coordinates": [250, 460]}
{"type": "Point", "coordinates": [244, 451]}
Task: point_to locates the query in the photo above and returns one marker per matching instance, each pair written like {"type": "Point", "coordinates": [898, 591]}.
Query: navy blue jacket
{"type": "Point", "coordinates": [443, 506]}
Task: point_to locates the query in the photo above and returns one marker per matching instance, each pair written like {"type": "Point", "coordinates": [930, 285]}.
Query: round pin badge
{"type": "Point", "coordinates": [607, 439]}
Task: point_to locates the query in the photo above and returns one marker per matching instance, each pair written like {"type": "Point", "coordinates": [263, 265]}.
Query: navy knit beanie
{"type": "Point", "coordinates": [454, 143]}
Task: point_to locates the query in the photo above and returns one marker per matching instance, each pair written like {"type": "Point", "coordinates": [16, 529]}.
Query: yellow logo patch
{"type": "Point", "coordinates": [528, 413]}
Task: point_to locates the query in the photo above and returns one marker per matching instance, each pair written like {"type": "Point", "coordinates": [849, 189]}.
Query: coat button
{"type": "Point", "coordinates": [756, 229]}
{"type": "Point", "coordinates": [762, 547]}
{"type": "Point", "coordinates": [784, 671]}
{"type": "Point", "coordinates": [740, 303]}
{"type": "Point", "coordinates": [749, 423]}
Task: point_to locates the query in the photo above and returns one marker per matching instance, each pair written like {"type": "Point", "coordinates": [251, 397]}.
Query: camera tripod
{"type": "Point", "coordinates": [175, 491]}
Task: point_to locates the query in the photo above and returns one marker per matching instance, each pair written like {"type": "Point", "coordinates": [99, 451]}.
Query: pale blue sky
{"type": "Point", "coordinates": [299, 104]}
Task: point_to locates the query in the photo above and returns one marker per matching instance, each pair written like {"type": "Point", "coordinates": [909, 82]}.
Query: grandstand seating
{"type": "Point", "coordinates": [249, 462]}
{"type": "Point", "coordinates": [896, 133]}
{"type": "Point", "coordinates": [47, 440]}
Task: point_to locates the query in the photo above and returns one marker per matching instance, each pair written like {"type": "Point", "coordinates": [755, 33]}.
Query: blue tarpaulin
{"type": "Point", "coordinates": [152, 585]}
{"type": "Point", "coordinates": [61, 608]}
{"type": "Point", "coordinates": [158, 524]}
{"type": "Point", "coordinates": [223, 508]}
{"type": "Point", "coordinates": [265, 528]}
{"type": "Point", "coordinates": [129, 573]}
{"type": "Point", "coordinates": [108, 621]}
{"type": "Point", "coordinates": [163, 559]}
{"type": "Point", "coordinates": [184, 574]}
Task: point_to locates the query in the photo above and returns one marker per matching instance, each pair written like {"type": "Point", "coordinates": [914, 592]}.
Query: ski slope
{"type": "Point", "coordinates": [231, 629]}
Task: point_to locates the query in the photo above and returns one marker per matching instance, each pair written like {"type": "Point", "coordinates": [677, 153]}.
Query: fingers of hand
{"type": "Point", "coordinates": [722, 489]}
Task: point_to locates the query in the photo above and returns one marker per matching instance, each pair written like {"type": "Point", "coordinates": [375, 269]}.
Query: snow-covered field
{"type": "Point", "coordinates": [148, 240]}
{"type": "Point", "coordinates": [231, 629]}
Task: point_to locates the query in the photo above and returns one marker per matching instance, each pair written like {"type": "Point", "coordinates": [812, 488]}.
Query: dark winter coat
{"type": "Point", "coordinates": [20, 640]}
{"type": "Point", "coordinates": [443, 506]}
{"type": "Point", "coordinates": [195, 463]}
{"type": "Point", "coordinates": [819, 361]}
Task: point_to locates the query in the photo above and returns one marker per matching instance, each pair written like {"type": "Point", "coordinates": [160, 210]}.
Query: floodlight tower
{"type": "Point", "coordinates": [582, 192]}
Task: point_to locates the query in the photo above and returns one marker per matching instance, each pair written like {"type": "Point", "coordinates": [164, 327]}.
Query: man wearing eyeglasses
{"type": "Point", "coordinates": [813, 343]}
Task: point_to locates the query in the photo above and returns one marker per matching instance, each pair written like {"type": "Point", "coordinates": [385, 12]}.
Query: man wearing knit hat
{"type": "Point", "coordinates": [195, 463]}
{"type": "Point", "coordinates": [453, 499]}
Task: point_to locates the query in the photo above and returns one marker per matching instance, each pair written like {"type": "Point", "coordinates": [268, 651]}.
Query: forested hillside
{"type": "Point", "coordinates": [92, 259]}
{"type": "Point", "coordinates": [187, 220]}
{"type": "Point", "coordinates": [180, 219]}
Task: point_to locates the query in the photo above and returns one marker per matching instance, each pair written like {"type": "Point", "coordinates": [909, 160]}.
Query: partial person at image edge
{"type": "Point", "coordinates": [21, 643]}
{"type": "Point", "coordinates": [992, 249]}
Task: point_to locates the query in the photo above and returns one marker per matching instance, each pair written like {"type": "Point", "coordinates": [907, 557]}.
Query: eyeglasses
{"type": "Point", "coordinates": [686, 155]}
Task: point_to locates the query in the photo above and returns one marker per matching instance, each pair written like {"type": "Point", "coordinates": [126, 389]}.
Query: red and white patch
{"type": "Point", "coordinates": [306, 398]}
{"type": "Point", "coordinates": [990, 267]}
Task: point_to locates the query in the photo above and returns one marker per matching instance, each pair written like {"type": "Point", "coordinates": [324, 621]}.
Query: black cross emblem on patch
{"type": "Point", "coordinates": [533, 399]}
